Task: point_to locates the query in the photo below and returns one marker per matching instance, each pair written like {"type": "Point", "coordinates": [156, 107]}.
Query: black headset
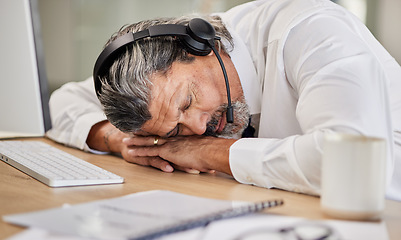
{"type": "Point", "coordinates": [197, 37]}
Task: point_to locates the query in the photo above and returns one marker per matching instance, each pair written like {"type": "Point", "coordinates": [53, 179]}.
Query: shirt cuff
{"type": "Point", "coordinates": [246, 161]}
{"type": "Point", "coordinates": [82, 127]}
{"type": "Point", "coordinates": [268, 163]}
{"type": "Point", "coordinates": [76, 135]}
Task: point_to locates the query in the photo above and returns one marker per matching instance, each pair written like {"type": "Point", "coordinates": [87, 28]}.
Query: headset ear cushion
{"type": "Point", "coordinates": [201, 35]}
{"type": "Point", "coordinates": [195, 47]}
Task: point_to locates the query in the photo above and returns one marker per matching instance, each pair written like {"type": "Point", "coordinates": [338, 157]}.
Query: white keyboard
{"type": "Point", "coordinates": [52, 166]}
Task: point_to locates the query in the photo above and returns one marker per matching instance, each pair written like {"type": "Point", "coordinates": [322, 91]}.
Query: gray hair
{"type": "Point", "coordinates": [126, 93]}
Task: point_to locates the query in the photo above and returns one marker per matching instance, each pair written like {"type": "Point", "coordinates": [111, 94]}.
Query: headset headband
{"type": "Point", "coordinates": [196, 37]}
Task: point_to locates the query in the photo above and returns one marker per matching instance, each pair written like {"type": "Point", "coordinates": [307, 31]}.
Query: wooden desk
{"type": "Point", "coordinates": [20, 193]}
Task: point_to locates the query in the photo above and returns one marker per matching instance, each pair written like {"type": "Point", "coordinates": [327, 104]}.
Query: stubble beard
{"type": "Point", "coordinates": [231, 130]}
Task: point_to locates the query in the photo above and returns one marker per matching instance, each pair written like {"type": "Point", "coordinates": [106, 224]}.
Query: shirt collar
{"type": "Point", "coordinates": [247, 73]}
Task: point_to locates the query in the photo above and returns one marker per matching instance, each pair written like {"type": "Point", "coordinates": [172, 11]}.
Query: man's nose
{"type": "Point", "coordinates": [195, 124]}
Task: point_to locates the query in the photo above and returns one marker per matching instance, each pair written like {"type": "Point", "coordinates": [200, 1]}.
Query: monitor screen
{"type": "Point", "coordinates": [24, 96]}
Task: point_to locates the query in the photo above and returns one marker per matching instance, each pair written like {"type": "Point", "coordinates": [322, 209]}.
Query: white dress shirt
{"type": "Point", "coordinates": [318, 69]}
{"type": "Point", "coordinates": [307, 67]}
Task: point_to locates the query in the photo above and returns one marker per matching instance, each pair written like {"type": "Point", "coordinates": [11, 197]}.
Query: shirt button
{"type": "Point", "coordinates": [249, 179]}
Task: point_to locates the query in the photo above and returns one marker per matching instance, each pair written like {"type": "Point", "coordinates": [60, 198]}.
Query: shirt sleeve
{"type": "Point", "coordinates": [74, 109]}
{"type": "Point", "coordinates": [340, 86]}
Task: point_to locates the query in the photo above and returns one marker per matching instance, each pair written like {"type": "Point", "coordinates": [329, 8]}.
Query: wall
{"type": "Point", "coordinates": [75, 31]}
{"type": "Point", "coordinates": [388, 26]}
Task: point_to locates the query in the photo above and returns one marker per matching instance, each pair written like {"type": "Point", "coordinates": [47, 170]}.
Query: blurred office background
{"type": "Point", "coordinates": [74, 31]}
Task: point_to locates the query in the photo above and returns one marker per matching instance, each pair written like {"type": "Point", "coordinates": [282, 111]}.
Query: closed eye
{"type": "Point", "coordinates": [174, 132]}
{"type": "Point", "coordinates": [189, 102]}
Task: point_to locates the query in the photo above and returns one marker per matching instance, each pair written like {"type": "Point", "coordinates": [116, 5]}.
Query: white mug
{"type": "Point", "coordinates": [353, 176]}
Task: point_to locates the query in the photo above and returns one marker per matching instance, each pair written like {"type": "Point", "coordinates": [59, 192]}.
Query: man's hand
{"type": "Point", "coordinates": [192, 152]}
{"type": "Point", "coordinates": [131, 143]}
{"type": "Point", "coordinates": [103, 136]}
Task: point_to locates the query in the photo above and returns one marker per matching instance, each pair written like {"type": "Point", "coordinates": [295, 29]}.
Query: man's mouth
{"type": "Point", "coordinates": [222, 123]}
{"type": "Point", "coordinates": [216, 125]}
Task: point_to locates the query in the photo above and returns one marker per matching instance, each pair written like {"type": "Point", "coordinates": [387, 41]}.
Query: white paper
{"type": "Point", "coordinates": [229, 228]}
{"type": "Point", "coordinates": [122, 218]}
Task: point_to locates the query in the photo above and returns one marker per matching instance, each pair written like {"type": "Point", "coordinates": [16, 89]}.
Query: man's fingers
{"type": "Point", "coordinates": [144, 152]}
{"type": "Point", "coordinates": [185, 169]}
{"type": "Point", "coordinates": [163, 165]}
{"type": "Point", "coordinates": [155, 162]}
{"type": "Point", "coordinates": [144, 141]}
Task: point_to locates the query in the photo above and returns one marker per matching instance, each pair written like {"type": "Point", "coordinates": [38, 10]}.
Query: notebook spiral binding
{"type": "Point", "coordinates": [204, 221]}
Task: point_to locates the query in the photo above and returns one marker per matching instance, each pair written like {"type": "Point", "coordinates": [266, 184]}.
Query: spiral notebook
{"type": "Point", "coordinates": [145, 215]}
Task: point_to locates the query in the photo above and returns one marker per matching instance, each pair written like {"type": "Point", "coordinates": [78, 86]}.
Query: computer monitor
{"type": "Point", "coordinates": [24, 96]}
